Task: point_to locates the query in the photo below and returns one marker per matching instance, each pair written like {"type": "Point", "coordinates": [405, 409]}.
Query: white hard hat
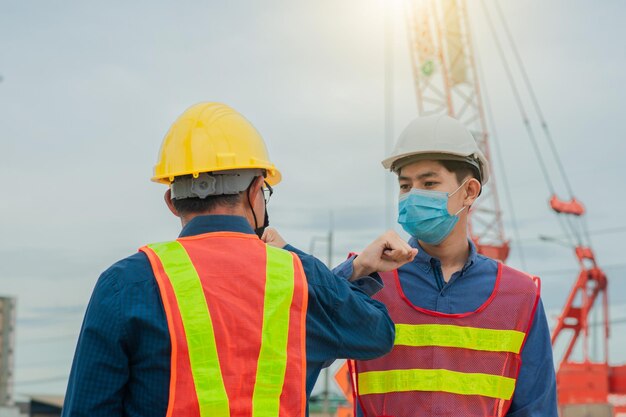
{"type": "Point", "coordinates": [439, 137]}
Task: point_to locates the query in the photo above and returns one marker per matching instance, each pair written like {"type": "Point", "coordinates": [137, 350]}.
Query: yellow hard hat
{"type": "Point", "coordinates": [212, 137]}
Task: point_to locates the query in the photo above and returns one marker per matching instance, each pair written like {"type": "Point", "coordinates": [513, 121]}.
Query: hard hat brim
{"type": "Point", "coordinates": [396, 162]}
{"type": "Point", "coordinates": [273, 175]}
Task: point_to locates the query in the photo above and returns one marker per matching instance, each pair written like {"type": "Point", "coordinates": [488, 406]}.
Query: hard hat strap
{"type": "Point", "coordinates": [259, 230]}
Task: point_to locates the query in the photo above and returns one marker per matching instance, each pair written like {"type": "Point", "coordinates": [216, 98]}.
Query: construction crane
{"type": "Point", "coordinates": [447, 81]}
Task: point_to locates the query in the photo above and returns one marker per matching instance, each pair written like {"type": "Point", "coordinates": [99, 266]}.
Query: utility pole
{"type": "Point", "coordinates": [329, 262]}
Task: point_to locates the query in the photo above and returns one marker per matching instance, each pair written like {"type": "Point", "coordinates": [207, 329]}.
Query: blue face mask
{"type": "Point", "coordinates": [424, 215]}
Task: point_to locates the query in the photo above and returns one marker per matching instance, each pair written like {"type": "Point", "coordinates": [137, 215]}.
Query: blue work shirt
{"type": "Point", "coordinates": [122, 362]}
{"type": "Point", "coordinates": [423, 284]}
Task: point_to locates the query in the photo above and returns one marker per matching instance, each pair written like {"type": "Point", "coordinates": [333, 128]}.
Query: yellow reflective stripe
{"type": "Point", "coordinates": [205, 364]}
{"type": "Point", "coordinates": [272, 363]}
{"type": "Point", "coordinates": [459, 337]}
{"type": "Point", "coordinates": [443, 380]}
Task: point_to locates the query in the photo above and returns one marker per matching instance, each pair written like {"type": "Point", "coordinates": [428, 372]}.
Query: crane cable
{"type": "Point", "coordinates": [540, 115]}
{"type": "Point", "coordinates": [567, 231]}
{"type": "Point", "coordinates": [533, 97]}
{"type": "Point", "coordinates": [507, 189]}
{"type": "Point", "coordinates": [518, 100]}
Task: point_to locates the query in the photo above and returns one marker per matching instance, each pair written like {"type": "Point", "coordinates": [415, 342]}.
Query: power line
{"type": "Point", "coordinates": [607, 231]}
{"type": "Point", "coordinates": [46, 339]}
{"type": "Point", "coordinates": [569, 270]}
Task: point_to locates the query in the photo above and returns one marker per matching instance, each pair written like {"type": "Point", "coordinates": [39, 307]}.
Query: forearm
{"type": "Point", "coordinates": [369, 284]}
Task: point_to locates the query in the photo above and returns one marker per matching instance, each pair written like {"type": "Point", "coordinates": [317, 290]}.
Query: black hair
{"type": "Point", "coordinates": [461, 169]}
{"type": "Point", "coordinates": [196, 205]}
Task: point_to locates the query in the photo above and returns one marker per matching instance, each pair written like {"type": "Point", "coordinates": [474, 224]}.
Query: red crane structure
{"type": "Point", "coordinates": [447, 81]}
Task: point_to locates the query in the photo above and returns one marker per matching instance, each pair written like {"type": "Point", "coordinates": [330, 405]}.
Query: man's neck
{"type": "Point", "coordinates": [225, 211]}
{"type": "Point", "coordinates": [452, 252]}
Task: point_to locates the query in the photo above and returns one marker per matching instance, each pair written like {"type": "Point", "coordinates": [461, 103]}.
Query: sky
{"type": "Point", "coordinates": [89, 90]}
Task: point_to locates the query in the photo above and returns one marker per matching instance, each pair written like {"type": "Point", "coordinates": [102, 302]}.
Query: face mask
{"type": "Point", "coordinates": [424, 215]}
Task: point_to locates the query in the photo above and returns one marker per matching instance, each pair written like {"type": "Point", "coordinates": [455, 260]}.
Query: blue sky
{"type": "Point", "coordinates": [90, 89]}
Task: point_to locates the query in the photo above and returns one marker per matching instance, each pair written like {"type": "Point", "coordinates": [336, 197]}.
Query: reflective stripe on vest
{"type": "Point", "coordinates": [459, 337]}
{"type": "Point", "coordinates": [463, 364]}
{"type": "Point", "coordinates": [273, 355]}
{"type": "Point", "coordinates": [199, 334]}
{"type": "Point", "coordinates": [383, 382]}
{"type": "Point", "coordinates": [205, 364]}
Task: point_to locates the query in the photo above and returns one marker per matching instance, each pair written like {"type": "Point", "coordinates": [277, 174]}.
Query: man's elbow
{"type": "Point", "coordinates": [389, 339]}
{"type": "Point", "coordinates": [382, 340]}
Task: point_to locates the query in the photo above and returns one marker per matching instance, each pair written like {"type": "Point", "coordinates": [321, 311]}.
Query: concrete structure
{"type": "Point", "coordinates": [45, 405]}
{"type": "Point", "coordinates": [7, 349]}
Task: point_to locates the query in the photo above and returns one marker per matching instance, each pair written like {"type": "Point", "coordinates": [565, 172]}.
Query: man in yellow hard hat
{"type": "Point", "coordinates": [217, 322]}
{"type": "Point", "coordinates": [472, 338]}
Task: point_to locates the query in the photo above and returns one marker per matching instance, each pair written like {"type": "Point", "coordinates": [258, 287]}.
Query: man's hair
{"type": "Point", "coordinates": [461, 169]}
{"type": "Point", "coordinates": [195, 205]}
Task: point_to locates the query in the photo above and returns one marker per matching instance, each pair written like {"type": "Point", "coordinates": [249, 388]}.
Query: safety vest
{"type": "Point", "coordinates": [236, 314]}
{"type": "Point", "coordinates": [453, 365]}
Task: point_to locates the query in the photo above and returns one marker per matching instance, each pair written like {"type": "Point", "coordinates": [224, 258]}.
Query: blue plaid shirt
{"type": "Point", "coordinates": [423, 283]}
{"type": "Point", "coordinates": [122, 362]}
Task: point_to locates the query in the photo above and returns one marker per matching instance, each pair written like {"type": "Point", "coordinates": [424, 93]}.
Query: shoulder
{"type": "Point", "coordinates": [317, 274]}
{"type": "Point", "coordinates": [524, 281]}
{"type": "Point", "coordinates": [484, 262]}
{"type": "Point", "coordinates": [519, 274]}
{"type": "Point", "coordinates": [129, 288]}
{"type": "Point", "coordinates": [133, 269]}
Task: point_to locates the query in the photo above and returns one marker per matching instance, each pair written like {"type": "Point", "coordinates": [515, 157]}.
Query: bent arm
{"type": "Point", "coordinates": [342, 317]}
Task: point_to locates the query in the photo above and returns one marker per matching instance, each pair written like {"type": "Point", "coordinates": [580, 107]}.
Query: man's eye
{"type": "Point", "coordinates": [430, 184]}
{"type": "Point", "coordinates": [404, 187]}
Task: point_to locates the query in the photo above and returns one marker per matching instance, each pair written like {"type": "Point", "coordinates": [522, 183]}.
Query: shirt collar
{"type": "Point", "coordinates": [216, 223]}
{"type": "Point", "coordinates": [424, 260]}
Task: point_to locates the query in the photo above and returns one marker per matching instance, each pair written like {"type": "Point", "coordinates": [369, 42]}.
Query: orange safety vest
{"type": "Point", "coordinates": [236, 314]}
{"type": "Point", "coordinates": [450, 364]}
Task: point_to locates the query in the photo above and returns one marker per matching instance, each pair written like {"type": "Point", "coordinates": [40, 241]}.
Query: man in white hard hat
{"type": "Point", "coordinates": [472, 338]}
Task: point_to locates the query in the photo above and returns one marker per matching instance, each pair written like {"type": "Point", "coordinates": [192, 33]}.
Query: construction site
{"type": "Point", "coordinates": [330, 87]}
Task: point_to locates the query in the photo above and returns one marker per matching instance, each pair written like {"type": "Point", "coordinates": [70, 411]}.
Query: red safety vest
{"type": "Point", "coordinates": [236, 313]}
{"type": "Point", "coordinates": [453, 365]}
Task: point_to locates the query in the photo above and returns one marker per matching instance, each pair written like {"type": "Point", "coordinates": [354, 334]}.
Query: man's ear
{"type": "Point", "coordinates": [256, 187]}
{"type": "Point", "coordinates": [170, 205]}
{"type": "Point", "coordinates": [473, 191]}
